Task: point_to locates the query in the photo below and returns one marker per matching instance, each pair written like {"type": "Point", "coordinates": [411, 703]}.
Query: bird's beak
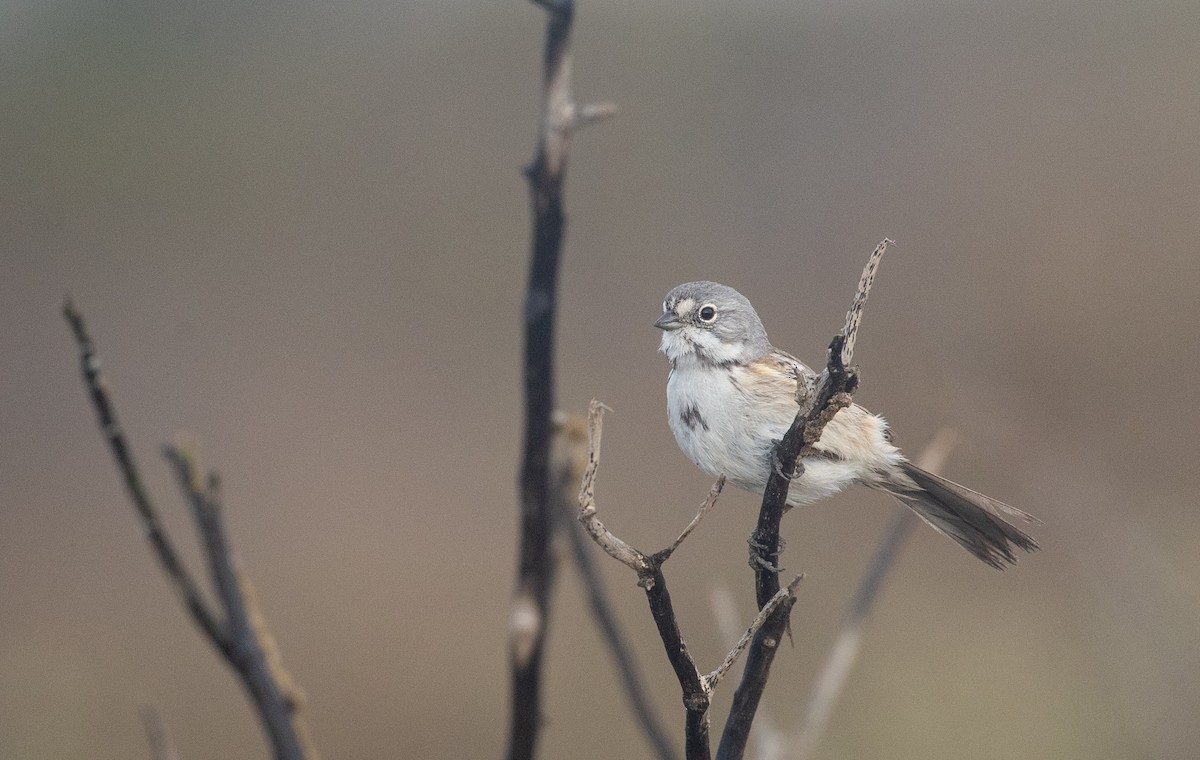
{"type": "Point", "coordinates": [668, 321]}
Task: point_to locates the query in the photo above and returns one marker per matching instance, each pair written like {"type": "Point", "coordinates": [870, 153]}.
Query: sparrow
{"type": "Point", "coordinates": [731, 396]}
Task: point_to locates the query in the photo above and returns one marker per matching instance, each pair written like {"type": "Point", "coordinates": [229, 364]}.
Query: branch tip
{"type": "Point", "coordinates": [592, 113]}
{"type": "Point", "coordinates": [854, 316]}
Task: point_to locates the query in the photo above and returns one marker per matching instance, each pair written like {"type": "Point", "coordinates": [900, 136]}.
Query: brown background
{"type": "Point", "coordinates": [299, 232]}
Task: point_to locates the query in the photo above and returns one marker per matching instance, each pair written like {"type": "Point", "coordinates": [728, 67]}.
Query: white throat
{"type": "Point", "coordinates": [692, 345]}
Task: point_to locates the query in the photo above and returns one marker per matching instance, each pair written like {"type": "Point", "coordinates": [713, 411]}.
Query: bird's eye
{"type": "Point", "coordinates": [708, 313]}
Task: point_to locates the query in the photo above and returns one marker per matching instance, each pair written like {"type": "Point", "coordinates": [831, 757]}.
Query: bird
{"type": "Point", "coordinates": [731, 396]}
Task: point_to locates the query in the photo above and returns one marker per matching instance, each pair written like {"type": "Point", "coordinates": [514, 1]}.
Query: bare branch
{"type": "Point", "coordinates": [233, 635]}
{"type": "Point", "coordinates": [651, 580]}
{"type": "Point", "coordinates": [854, 316]}
{"type": "Point", "coordinates": [768, 739]}
{"type": "Point", "coordinates": [164, 549]}
{"type": "Point", "coordinates": [749, 692]}
{"type": "Point", "coordinates": [569, 459]}
{"type": "Point", "coordinates": [535, 573]}
{"type": "Point", "coordinates": [695, 696]}
{"type": "Point", "coordinates": [709, 501]}
{"type": "Point", "coordinates": [276, 707]}
{"type": "Point", "coordinates": [610, 543]}
{"type": "Point", "coordinates": [712, 679]}
{"type": "Point", "coordinates": [844, 652]}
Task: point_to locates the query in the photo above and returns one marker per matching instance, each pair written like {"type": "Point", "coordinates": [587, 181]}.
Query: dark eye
{"type": "Point", "coordinates": [708, 313]}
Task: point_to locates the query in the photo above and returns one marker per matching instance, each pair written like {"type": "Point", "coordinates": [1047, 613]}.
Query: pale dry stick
{"type": "Point", "coordinates": [697, 688]}
{"type": "Point", "coordinates": [276, 701]}
{"type": "Point", "coordinates": [610, 543]}
{"type": "Point", "coordinates": [614, 546]}
{"type": "Point", "coordinates": [568, 460]}
{"type": "Point", "coordinates": [848, 642]}
{"type": "Point", "coordinates": [157, 736]}
{"type": "Point", "coordinates": [712, 679]}
{"type": "Point", "coordinates": [854, 315]}
{"type": "Point", "coordinates": [529, 614]}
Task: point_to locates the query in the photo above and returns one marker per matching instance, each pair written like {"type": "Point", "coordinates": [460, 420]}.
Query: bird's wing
{"type": "Point", "coordinates": [788, 363]}
{"type": "Point", "coordinates": [773, 386]}
{"type": "Point", "coordinates": [771, 381]}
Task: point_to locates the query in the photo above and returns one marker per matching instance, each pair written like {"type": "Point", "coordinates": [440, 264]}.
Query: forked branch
{"type": "Point", "coordinates": [697, 688]}
{"type": "Point", "coordinates": [245, 646]}
{"type": "Point", "coordinates": [569, 460]}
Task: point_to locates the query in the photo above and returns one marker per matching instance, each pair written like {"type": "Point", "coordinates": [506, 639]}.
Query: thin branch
{"type": "Point", "coordinates": [713, 494]}
{"type": "Point", "coordinates": [651, 580]}
{"type": "Point", "coordinates": [833, 392]}
{"type": "Point", "coordinates": [157, 736]}
{"type": "Point", "coordinates": [276, 707]}
{"type": "Point", "coordinates": [854, 315]}
{"type": "Point", "coordinates": [610, 543]}
{"type": "Point", "coordinates": [754, 681]}
{"type": "Point", "coordinates": [844, 651]}
{"type": "Point", "coordinates": [712, 679]}
{"type": "Point", "coordinates": [232, 634]}
{"type": "Point", "coordinates": [569, 458]}
{"type": "Point", "coordinates": [695, 697]}
{"type": "Point", "coordinates": [164, 550]}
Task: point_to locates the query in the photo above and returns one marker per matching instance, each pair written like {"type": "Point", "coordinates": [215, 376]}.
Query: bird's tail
{"type": "Point", "coordinates": [978, 522]}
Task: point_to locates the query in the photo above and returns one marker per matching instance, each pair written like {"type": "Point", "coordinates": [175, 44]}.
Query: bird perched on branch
{"type": "Point", "coordinates": [731, 396]}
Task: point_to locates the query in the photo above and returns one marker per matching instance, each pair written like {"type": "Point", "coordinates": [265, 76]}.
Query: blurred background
{"type": "Point", "coordinates": [299, 232]}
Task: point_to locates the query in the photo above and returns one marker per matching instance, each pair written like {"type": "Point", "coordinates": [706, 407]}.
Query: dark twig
{"type": "Point", "coordinates": [833, 391]}
{"type": "Point", "coordinates": [697, 688]}
{"type": "Point", "coordinates": [844, 652]}
{"type": "Point", "coordinates": [535, 571]}
{"type": "Point", "coordinates": [568, 459]}
{"type": "Point", "coordinates": [233, 634]}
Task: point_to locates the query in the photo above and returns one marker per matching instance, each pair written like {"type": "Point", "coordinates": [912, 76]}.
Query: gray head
{"type": "Point", "coordinates": [710, 322]}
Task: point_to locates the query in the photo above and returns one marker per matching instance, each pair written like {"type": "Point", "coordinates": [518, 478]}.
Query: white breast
{"type": "Point", "coordinates": [724, 429]}
{"type": "Point", "coordinates": [715, 425]}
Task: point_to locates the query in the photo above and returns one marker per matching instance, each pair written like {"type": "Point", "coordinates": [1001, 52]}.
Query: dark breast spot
{"type": "Point", "coordinates": [691, 417]}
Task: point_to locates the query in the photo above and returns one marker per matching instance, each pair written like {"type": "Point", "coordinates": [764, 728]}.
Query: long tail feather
{"type": "Point", "coordinates": [975, 521]}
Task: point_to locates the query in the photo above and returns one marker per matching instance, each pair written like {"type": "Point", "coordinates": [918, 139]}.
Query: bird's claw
{"type": "Point", "coordinates": [758, 558]}
{"type": "Point", "coordinates": [756, 562]}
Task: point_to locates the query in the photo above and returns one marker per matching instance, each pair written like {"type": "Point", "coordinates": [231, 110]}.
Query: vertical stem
{"type": "Point", "coordinates": [535, 567]}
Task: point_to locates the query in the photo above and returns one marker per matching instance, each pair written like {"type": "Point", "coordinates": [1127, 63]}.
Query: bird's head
{"type": "Point", "coordinates": [710, 323]}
